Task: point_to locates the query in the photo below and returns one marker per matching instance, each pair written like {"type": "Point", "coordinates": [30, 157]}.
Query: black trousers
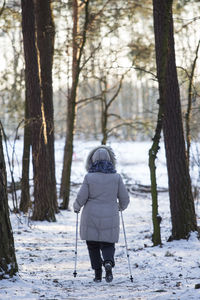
{"type": "Point", "coordinates": [96, 249]}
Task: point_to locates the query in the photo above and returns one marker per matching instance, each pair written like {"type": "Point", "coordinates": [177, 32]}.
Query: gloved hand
{"type": "Point", "coordinates": [119, 207]}
{"type": "Point", "coordinates": [76, 207]}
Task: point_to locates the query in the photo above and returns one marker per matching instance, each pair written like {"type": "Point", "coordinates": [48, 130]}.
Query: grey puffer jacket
{"type": "Point", "coordinates": [98, 194]}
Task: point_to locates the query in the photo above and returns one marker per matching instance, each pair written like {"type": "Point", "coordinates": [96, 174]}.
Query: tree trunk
{"type": "Point", "coordinates": [78, 47]}
{"type": "Point", "coordinates": [25, 201]}
{"type": "Point", "coordinates": [43, 205]}
{"type": "Point", "coordinates": [45, 42]}
{"type": "Point", "coordinates": [68, 154]}
{"type": "Point", "coordinates": [181, 199]}
{"type": "Point", "coordinates": [8, 263]}
{"type": "Point", "coordinates": [104, 120]}
{"type": "Point", "coordinates": [71, 113]}
{"type": "Point", "coordinates": [156, 238]}
{"type": "Point", "coordinates": [189, 105]}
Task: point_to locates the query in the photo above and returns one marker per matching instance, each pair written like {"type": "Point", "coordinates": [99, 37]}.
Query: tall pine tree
{"type": "Point", "coordinates": [181, 198]}
{"type": "Point", "coordinates": [44, 206]}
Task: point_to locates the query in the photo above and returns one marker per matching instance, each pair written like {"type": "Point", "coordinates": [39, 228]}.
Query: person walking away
{"type": "Point", "coordinates": [101, 195]}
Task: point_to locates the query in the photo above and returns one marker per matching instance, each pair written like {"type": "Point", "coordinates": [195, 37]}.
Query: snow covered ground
{"type": "Point", "coordinates": [45, 251]}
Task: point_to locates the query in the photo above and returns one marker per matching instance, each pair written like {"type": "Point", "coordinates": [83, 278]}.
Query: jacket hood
{"type": "Point", "coordinates": [100, 153]}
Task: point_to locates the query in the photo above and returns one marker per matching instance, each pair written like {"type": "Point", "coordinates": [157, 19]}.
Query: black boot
{"type": "Point", "coordinates": [108, 268]}
{"type": "Point", "coordinates": [98, 275]}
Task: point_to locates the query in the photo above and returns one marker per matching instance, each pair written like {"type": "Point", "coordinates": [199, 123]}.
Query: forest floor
{"type": "Point", "coordinates": [45, 252]}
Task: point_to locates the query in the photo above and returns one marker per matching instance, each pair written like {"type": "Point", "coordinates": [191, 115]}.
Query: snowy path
{"type": "Point", "coordinates": [45, 251]}
{"type": "Point", "coordinates": [45, 254]}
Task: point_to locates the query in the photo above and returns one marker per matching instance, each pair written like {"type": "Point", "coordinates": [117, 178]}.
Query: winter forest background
{"type": "Point", "coordinates": [120, 43]}
{"type": "Point", "coordinates": [79, 73]}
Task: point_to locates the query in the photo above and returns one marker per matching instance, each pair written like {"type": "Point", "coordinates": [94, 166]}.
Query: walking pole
{"type": "Point", "coordinates": [75, 263]}
{"type": "Point", "coordinates": [127, 254]}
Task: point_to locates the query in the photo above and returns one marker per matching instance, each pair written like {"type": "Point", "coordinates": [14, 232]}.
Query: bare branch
{"type": "Point", "coordinates": [11, 165]}
{"type": "Point", "coordinates": [99, 13]}
{"type": "Point", "coordinates": [91, 55]}
{"type": "Point", "coordinates": [183, 69]}
{"type": "Point", "coordinates": [115, 115]}
{"type": "Point", "coordinates": [116, 93]}
{"type": "Point", "coordinates": [130, 124]}
{"type": "Point", "coordinates": [95, 49]}
{"type": "Point", "coordinates": [89, 99]}
{"type": "Point", "coordinates": [88, 21]}
{"type": "Point", "coordinates": [84, 36]}
{"type": "Point", "coordinates": [144, 70]}
{"type": "Point", "coordinates": [187, 24]}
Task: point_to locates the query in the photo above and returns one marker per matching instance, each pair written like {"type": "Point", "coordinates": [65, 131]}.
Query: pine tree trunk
{"type": "Point", "coordinates": [43, 204]}
{"type": "Point", "coordinates": [181, 199]}
{"type": "Point", "coordinates": [45, 41]}
{"type": "Point", "coordinates": [8, 263]}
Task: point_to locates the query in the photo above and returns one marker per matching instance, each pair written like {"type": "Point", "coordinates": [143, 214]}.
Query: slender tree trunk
{"type": "Point", "coordinates": [45, 42]}
{"type": "Point", "coordinates": [8, 263]}
{"type": "Point", "coordinates": [78, 48]}
{"type": "Point", "coordinates": [189, 105]}
{"type": "Point", "coordinates": [156, 238]}
{"type": "Point", "coordinates": [92, 89]}
{"type": "Point", "coordinates": [105, 106]}
{"type": "Point", "coordinates": [181, 199]}
{"type": "Point", "coordinates": [94, 119]}
{"type": "Point", "coordinates": [25, 201]}
{"type": "Point", "coordinates": [43, 205]}
{"type": "Point", "coordinates": [71, 113]}
{"type": "Point", "coordinates": [104, 120]}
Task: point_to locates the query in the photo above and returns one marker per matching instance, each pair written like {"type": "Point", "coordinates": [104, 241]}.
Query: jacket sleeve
{"type": "Point", "coordinates": [123, 195]}
{"type": "Point", "coordinates": [82, 196]}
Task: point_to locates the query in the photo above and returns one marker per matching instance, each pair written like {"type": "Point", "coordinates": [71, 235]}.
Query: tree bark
{"type": "Point", "coordinates": [181, 199]}
{"type": "Point", "coordinates": [45, 42]}
{"type": "Point", "coordinates": [78, 47]}
{"type": "Point", "coordinates": [156, 238]}
{"type": "Point", "coordinates": [43, 205]}
{"type": "Point", "coordinates": [8, 263]}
